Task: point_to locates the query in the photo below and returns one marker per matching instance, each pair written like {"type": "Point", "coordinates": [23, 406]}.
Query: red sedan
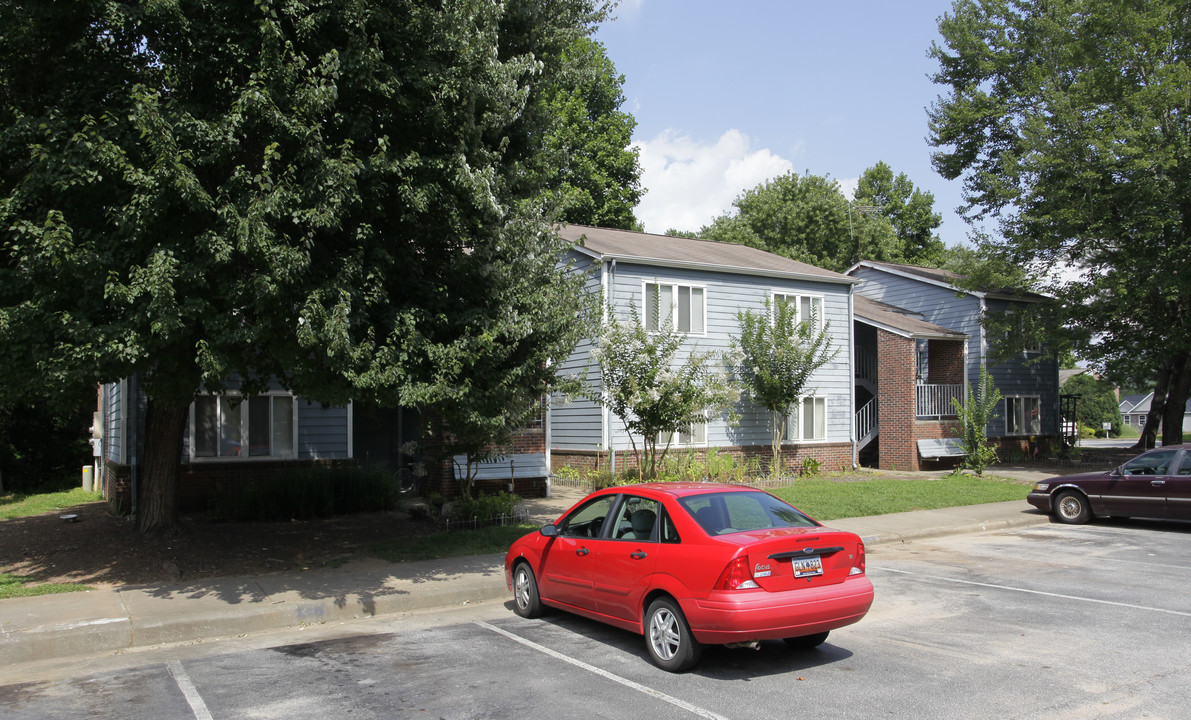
{"type": "Point", "coordinates": [689, 564]}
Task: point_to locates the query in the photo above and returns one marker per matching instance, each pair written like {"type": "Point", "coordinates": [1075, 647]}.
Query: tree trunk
{"type": "Point", "coordinates": [158, 482]}
{"type": "Point", "coordinates": [1149, 433]}
{"type": "Point", "coordinates": [1176, 402]}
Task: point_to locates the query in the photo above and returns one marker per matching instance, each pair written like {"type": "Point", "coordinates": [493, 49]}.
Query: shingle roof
{"type": "Point", "coordinates": [649, 249]}
{"type": "Point", "coordinates": [948, 278]}
{"type": "Point", "coordinates": [899, 321]}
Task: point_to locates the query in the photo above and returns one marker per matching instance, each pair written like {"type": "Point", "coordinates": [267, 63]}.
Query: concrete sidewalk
{"type": "Point", "coordinates": [73, 624]}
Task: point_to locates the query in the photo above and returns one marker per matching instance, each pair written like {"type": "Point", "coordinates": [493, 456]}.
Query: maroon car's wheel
{"type": "Point", "coordinates": [668, 637]}
{"type": "Point", "coordinates": [1072, 508]}
{"type": "Point", "coordinates": [526, 602]}
{"type": "Point", "coordinates": [807, 642]}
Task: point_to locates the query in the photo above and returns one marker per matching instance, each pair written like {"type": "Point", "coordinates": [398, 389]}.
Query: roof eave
{"type": "Point", "coordinates": [733, 269]}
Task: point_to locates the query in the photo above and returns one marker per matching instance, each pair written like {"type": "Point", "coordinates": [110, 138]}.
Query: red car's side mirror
{"type": "Point", "coordinates": [549, 531]}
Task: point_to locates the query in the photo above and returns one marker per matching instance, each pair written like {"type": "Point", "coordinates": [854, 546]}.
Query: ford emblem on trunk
{"type": "Point", "coordinates": [808, 550]}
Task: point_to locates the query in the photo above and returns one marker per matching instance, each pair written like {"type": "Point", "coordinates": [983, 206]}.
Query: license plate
{"type": "Point", "coordinates": [807, 566]}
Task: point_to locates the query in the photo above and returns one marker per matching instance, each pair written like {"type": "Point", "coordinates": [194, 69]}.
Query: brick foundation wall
{"type": "Point", "coordinates": [833, 456]}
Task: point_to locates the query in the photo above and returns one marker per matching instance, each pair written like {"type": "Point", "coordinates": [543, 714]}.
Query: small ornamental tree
{"type": "Point", "coordinates": [974, 416]}
{"type": "Point", "coordinates": [654, 393]}
{"type": "Point", "coordinates": [775, 357]}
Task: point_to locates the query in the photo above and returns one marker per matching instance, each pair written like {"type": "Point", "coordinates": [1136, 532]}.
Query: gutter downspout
{"type": "Point", "coordinates": [608, 285]}
{"type": "Point", "coordinates": [852, 376]}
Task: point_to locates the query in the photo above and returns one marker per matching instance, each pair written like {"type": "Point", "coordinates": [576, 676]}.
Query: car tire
{"type": "Point", "coordinates": [1072, 508]}
{"type": "Point", "coordinates": [807, 642]}
{"type": "Point", "coordinates": [668, 638]}
{"type": "Point", "coordinates": [526, 601]}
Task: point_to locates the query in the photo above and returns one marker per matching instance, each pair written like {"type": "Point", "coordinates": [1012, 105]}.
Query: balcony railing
{"type": "Point", "coordinates": [934, 401]}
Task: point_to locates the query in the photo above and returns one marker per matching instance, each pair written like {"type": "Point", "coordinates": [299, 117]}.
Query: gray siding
{"type": "Point", "coordinates": [113, 421]}
{"type": "Point", "coordinates": [322, 431]}
{"type": "Point", "coordinates": [1025, 375]}
{"type": "Point", "coordinates": [725, 295]}
{"type": "Point", "coordinates": [576, 423]}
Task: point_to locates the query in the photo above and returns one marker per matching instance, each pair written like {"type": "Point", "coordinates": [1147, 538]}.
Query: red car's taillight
{"type": "Point", "coordinates": [737, 576]}
{"type": "Point", "coordinates": [858, 561]}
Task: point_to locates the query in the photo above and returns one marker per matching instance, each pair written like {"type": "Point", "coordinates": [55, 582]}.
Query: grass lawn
{"type": "Point", "coordinates": [830, 499]}
{"type": "Point", "coordinates": [13, 586]}
{"type": "Point", "coordinates": [14, 505]}
{"type": "Point", "coordinates": [826, 498]}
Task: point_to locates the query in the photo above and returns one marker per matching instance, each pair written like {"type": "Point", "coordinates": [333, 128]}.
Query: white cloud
{"type": "Point", "coordinates": [848, 187]}
{"type": "Point", "coordinates": [689, 183]}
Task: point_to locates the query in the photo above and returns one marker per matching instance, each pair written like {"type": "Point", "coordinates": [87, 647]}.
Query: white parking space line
{"type": "Point", "coordinates": [604, 673]}
{"type": "Point", "coordinates": [189, 691]}
{"type": "Point", "coordinates": [1031, 592]}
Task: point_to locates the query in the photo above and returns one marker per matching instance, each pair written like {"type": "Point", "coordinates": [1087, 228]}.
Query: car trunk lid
{"type": "Point", "coordinates": [789, 558]}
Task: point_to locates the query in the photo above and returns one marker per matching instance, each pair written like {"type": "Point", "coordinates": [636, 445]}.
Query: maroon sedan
{"type": "Point", "coordinates": [1156, 484]}
{"type": "Point", "coordinates": [688, 564]}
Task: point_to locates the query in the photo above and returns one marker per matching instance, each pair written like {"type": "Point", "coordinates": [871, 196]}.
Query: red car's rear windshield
{"type": "Point", "coordinates": [729, 512]}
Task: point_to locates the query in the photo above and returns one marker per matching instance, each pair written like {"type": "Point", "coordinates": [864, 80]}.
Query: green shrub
{"type": "Point", "coordinates": [566, 472]}
{"type": "Point", "coordinates": [485, 509]}
{"type": "Point", "coordinates": [811, 466]}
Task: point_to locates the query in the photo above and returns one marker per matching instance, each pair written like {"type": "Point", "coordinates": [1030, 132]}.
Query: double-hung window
{"type": "Point", "coordinates": [807, 307]}
{"type": "Point", "coordinates": [693, 434]}
{"type": "Point", "coordinates": [808, 420]}
{"type": "Point", "coordinates": [259, 426]}
{"type": "Point", "coordinates": [683, 305]}
{"type": "Point", "coordinates": [1022, 416]}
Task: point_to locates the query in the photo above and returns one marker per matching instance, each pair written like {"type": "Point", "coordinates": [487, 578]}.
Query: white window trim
{"type": "Point", "coordinates": [193, 457]}
{"type": "Point", "coordinates": [674, 285]}
{"type": "Point", "coordinates": [676, 438]}
{"type": "Point", "coordinates": [1025, 421]}
{"type": "Point", "coordinates": [793, 421]}
{"type": "Point", "coordinates": [797, 298]}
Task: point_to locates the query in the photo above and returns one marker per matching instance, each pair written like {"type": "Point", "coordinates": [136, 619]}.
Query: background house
{"type": "Point", "coordinates": [1135, 408]}
{"type": "Point", "coordinates": [1028, 381]}
{"type": "Point", "coordinates": [705, 284]}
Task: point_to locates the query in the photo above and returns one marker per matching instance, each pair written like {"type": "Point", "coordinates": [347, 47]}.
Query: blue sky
{"type": "Point", "coordinates": [727, 95]}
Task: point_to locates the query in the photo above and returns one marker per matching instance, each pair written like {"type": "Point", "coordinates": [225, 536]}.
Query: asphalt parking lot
{"type": "Point", "coordinates": [1044, 622]}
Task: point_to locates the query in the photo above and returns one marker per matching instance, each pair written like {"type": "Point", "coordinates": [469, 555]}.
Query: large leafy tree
{"type": "Point", "coordinates": [1068, 123]}
{"type": "Point", "coordinates": [776, 355]}
{"type": "Point", "coordinates": [594, 173]}
{"type": "Point", "coordinates": [909, 210]}
{"type": "Point", "coordinates": [807, 218]}
{"type": "Point", "coordinates": [340, 194]}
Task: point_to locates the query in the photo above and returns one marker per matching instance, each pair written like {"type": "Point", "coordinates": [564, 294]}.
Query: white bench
{"type": "Point", "coordinates": [505, 467]}
{"type": "Point", "coordinates": [941, 448]}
